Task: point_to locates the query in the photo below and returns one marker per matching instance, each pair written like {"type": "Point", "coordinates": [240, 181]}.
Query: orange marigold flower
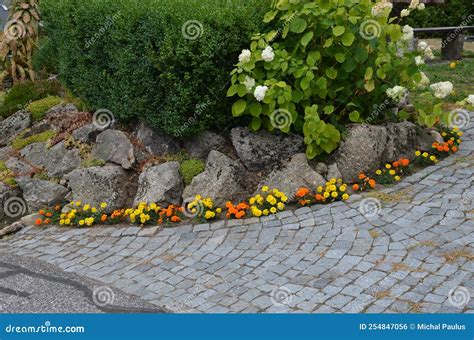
{"type": "Point", "coordinates": [396, 164]}
{"type": "Point", "coordinates": [450, 142]}
{"type": "Point", "coordinates": [302, 192]}
{"type": "Point", "coordinates": [242, 206]}
{"type": "Point", "coordinates": [446, 148]}
{"type": "Point", "coordinates": [405, 162]}
{"type": "Point", "coordinates": [57, 208]}
{"type": "Point", "coordinates": [39, 221]}
{"type": "Point", "coordinates": [302, 202]}
{"type": "Point", "coordinates": [228, 205]}
{"type": "Point", "coordinates": [240, 214]}
{"type": "Point", "coordinates": [361, 175]}
{"type": "Point", "coordinates": [160, 221]}
{"type": "Point", "coordinates": [319, 197]}
{"type": "Point", "coordinates": [372, 183]}
{"type": "Point", "coordinates": [175, 219]}
{"type": "Point", "coordinates": [47, 221]}
{"type": "Point", "coordinates": [355, 187]}
{"type": "Point", "coordinates": [454, 149]}
{"type": "Point", "coordinates": [48, 214]}
{"type": "Point", "coordinates": [41, 212]}
{"type": "Point", "coordinates": [103, 218]}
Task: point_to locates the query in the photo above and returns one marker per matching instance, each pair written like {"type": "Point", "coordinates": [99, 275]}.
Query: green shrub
{"type": "Point", "coordinates": [39, 108]}
{"type": "Point", "coordinates": [22, 94]}
{"type": "Point", "coordinates": [132, 58]}
{"type": "Point", "coordinates": [450, 13]}
{"type": "Point", "coordinates": [44, 61]}
{"type": "Point", "coordinates": [191, 168]}
{"type": "Point", "coordinates": [20, 142]}
{"type": "Point", "coordinates": [329, 64]}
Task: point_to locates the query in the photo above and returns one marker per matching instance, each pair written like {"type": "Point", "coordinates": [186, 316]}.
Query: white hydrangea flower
{"type": "Point", "coordinates": [268, 54]}
{"type": "Point", "coordinates": [421, 7]}
{"type": "Point", "coordinates": [396, 93]}
{"type": "Point", "coordinates": [442, 89]}
{"type": "Point", "coordinates": [260, 92]}
{"type": "Point", "coordinates": [428, 53]}
{"type": "Point", "coordinates": [422, 45]}
{"type": "Point", "coordinates": [414, 4]}
{"type": "Point", "coordinates": [405, 13]}
{"type": "Point", "coordinates": [424, 82]}
{"type": "Point", "coordinates": [249, 83]}
{"type": "Point", "coordinates": [408, 33]}
{"type": "Point", "coordinates": [470, 99]}
{"type": "Point", "coordinates": [419, 60]}
{"type": "Point", "coordinates": [245, 56]}
{"type": "Point", "coordinates": [380, 8]}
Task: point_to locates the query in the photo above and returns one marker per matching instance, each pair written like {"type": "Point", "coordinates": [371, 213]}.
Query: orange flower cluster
{"type": "Point", "coordinates": [238, 211]}
{"type": "Point", "coordinates": [171, 214]}
{"type": "Point", "coordinates": [446, 147]}
{"type": "Point", "coordinates": [364, 183]}
{"type": "Point", "coordinates": [304, 196]}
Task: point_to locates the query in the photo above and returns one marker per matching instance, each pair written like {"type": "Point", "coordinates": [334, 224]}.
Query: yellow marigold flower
{"type": "Point", "coordinates": [265, 188]}
{"type": "Point", "coordinates": [332, 181]}
{"type": "Point", "coordinates": [67, 221]}
{"type": "Point", "coordinates": [443, 134]}
{"type": "Point", "coordinates": [86, 207]}
{"type": "Point", "coordinates": [82, 222]}
{"type": "Point", "coordinates": [342, 188]}
{"type": "Point", "coordinates": [78, 204]}
{"type": "Point", "coordinates": [257, 213]}
{"type": "Point", "coordinates": [455, 129]}
{"type": "Point", "coordinates": [433, 158]}
{"type": "Point", "coordinates": [271, 199]}
{"type": "Point", "coordinates": [459, 141]}
{"type": "Point", "coordinates": [153, 206]}
{"type": "Point", "coordinates": [392, 172]}
{"type": "Point", "coordinates": [326, 194]}
{"type": "Point", "coordinates": [378, 172]}
{"type": "Point", "coordinates": [252, 200]}
{"type": "Point", "coordinates": [397, 178]}
{"type": "Point", "coordinates": [61, 222]}
{"type": "Point", "coordinates": [273, 210]}
{"type": "Point", "coordinates": [218, 210]}
{"type": "Point", "coordinates": [280, 206]}
{"type": "Point", "coordinates": [417, 153]}
{"type": "Point", "coordinates": [334, 194]}
{"type": "Point", "coordinates": [320, 189]}
{"type": "Point", "coordinates": [284, 198]}
{"type": "Point", "coordinates": [209, 214]}
{"type": "Point", "coordinates": [266, 212]}
{"type": "Point", "coordinates": [345, 197]}
{"type": "Point", "coordinates": [333, 188]}
{"type": "Point", "coordinates": [425, 154]}
{"type": "Point", "coordinates": [103, 205]}
{"type": "Point", "coordinates": [339, 181]}
{"type": "Point", "coordinates": [94, 210]}
{"type": "Point", "coordinates": [63, 216]}
{"type": "Point", "coordinates": [388, 166]}
{"type": "Point", "coordinates": [198, 197]}
{"type": "Point", "coordinates": [460, 134]}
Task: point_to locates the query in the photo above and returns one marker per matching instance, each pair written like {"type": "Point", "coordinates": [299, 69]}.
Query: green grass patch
{"type": "Point", "coordinates": [39, 108]}
{"type": "Point", "coordinates": [191, 168]}
{"type": "Point", "coordinates": [20, 142]}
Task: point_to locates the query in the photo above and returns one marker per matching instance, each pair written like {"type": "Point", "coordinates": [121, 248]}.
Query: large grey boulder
{"type": "Point", "coordinates": [61, 161]}
{"type": "Point", "coordinates": [402, 141]}
{"type": "Point", "coordinates": [13, 125]}
{"type": "Point", "coordinates": [39, 194]}
{"type": "Point", "coordinates": [19, 167]}
{"type": "Point", "coordinates": [110, 184]}
{"type": "Point", "coordinates": [5, 153]}
{"type": "Point", "coordinates": [160, 184]}
{"type": "Point", "coordinates": [36, 154]}
{"type": "Point", "coordinates": [200, 146]}
{"type": "Point", "coordinates": [222, 180]}
{"type": "Point", "coordinates": [361, 151]}
{"type": "Point", "coordinates": [114, 146]}
{"type": "Point", "coordinates": [9, 207]}
{"type": "Point", "coordinates": [87, 133]}
{"type": "Point", "coordinates": [262, 151]}
{"type": "Point", "coordinates": [155, 142]}
{"type": "Point", "coordinates": [292, 176]}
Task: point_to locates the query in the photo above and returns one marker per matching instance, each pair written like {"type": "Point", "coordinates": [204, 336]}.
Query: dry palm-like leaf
{"type": "Point", "coordinates": [16, 48]}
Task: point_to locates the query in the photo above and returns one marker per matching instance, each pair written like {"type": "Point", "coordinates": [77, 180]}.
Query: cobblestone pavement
{"type": "Point", "coordinates": [414, 255]}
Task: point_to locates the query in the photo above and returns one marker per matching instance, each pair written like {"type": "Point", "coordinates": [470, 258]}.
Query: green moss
{"type": "Point", "coordinates": [20, 142]}
{"type": "Point", "coordinates": [91, 162]}
{"type": "Point", "coordinates": [3, 167]}
{"type": "Point", "coordinates": [6, 176]}
{"type": "Point", "coordinates": [191, 168]}
{"type": "Point", "coordinates": [39, 108]}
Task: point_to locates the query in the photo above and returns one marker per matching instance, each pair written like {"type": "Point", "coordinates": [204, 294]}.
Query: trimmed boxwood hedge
{"type": "Point", "coordinates": [131, 56]}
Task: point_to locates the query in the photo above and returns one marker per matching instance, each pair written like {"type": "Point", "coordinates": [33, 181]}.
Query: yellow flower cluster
{"type": "Point", "coordinates": [142, 212]}
{"type": "Point", "coordinates": [203, 208]}
{"type": "Point", "coordinates": [334, 190]}
{"type": "Point", "coordinates": [268, 202]}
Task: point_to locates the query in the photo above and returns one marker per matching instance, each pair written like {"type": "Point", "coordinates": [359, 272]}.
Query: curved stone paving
{"type": "Point", "coordinates": [407, 258]}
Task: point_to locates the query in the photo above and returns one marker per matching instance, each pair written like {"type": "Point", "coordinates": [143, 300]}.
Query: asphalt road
{"type": "Point", "coordinates": [32, 286]}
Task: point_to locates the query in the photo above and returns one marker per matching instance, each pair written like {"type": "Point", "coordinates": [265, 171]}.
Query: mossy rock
{"type": "Point", "coordinates": [190, 169]}
{"type": "Point", "coordinates": [20, 141]}
{"type": "Point", "coordinates": [39, 108]}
